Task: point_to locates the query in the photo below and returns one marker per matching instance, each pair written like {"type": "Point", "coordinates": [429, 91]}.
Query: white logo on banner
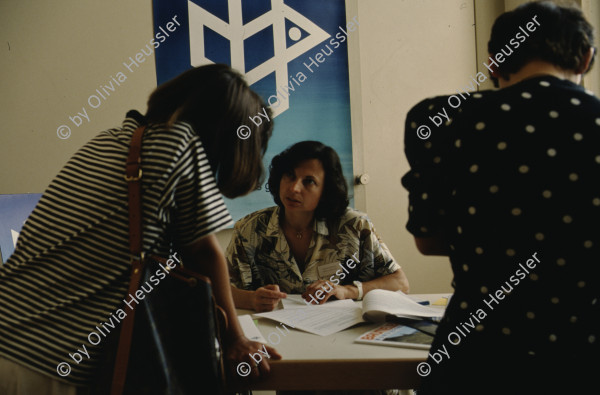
{"type": "Point", "coordinates": [236, 32]}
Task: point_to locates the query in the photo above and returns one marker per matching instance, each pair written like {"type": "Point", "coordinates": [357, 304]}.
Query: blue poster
{"type": "Point", "coordinates": [292, 52]}
{"type": "Point", "coordinates": [14, 210]}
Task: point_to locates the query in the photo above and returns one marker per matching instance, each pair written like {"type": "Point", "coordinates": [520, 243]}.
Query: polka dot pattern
{"type": "Point", "coordinates": [524, 181]}
{"type": "Point", "coordinates": [533, 277]}
{"type": "Point", "coordinates": [530, 315]}
{"type": "Point", "coordinates": [573, 177]}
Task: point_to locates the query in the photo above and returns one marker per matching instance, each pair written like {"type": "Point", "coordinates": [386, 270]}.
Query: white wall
{"type": "Point", "coordinates": [409, 50]}
{"type": "Point", "coordinates": [53, 56]}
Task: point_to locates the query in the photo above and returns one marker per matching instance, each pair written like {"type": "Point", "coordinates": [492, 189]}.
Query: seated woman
{"type": "Point", "coordinates": [298, 245]}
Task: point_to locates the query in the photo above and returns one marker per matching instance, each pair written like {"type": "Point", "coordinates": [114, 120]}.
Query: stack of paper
{"type": "Point", "coordinates": [322, 320]}
{"type": "Point", "coordinates": [336, 316]}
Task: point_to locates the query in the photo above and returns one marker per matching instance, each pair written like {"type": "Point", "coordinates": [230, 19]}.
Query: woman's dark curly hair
{"type": "Point", "coordinates": [334, 200]}
{"type": "Point", "coordinates": [562, 38]}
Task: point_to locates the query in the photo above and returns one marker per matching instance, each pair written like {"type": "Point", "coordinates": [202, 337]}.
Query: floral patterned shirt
{"type": "Point", "coordinates": [259, 254]}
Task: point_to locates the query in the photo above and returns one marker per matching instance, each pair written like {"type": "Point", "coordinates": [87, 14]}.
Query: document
{"type": "Point", "coordinates": [296, 301]}
{"type": "Point", "coordinates": [379, 303]}
{"type": "Point", "coordinates": [322, 320]}
{"type": "Point", "coordinates": [250, 329]}
{"type": "Point", "coordinates": [334, 316]}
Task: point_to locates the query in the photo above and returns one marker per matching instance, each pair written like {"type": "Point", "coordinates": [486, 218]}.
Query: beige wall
{"type": "Point", "coordinates": [409, 50]}
{"type": "Point", "coordinates": [53, 57]}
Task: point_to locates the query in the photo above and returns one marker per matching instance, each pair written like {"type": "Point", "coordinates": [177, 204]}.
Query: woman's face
{"type": "Point", "coordinates": [302, 190]}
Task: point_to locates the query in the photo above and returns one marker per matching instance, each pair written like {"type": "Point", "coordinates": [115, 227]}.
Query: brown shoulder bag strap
{"type": "Point", "coordinates": [133, 176]}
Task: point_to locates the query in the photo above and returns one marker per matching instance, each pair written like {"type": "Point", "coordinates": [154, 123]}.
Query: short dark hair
{"type": "Point", "coordinates": [334, 199]}
{"type": "Point", "coordinates": [216, 100]}
{"type": "Point", "coordinates": [562, 38]}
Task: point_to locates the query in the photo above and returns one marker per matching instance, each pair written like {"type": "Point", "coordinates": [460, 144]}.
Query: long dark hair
{"type": "Point", "coordinates": [334, 200]}
{"type": "Point", "coordinates": [216, 100]}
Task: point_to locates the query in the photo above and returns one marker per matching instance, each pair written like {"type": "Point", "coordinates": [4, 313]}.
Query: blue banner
{"type": "Point", "coordinates": [292, 52]}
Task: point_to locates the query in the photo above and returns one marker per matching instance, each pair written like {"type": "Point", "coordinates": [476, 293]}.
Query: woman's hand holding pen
{"type": "Point", "coordinates": [266, 298]}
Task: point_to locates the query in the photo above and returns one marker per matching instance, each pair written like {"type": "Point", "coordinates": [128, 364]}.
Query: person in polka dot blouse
{"type": "Point", "coordinates": [509, 188]}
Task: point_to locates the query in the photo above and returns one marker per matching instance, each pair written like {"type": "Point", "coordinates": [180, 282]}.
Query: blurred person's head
{"type": "Point", "coordinates": [308, 176]}
{"type": "Point", "coordinates": [216, 100]}
{"type": "Point", "coordinates": [563, 39]}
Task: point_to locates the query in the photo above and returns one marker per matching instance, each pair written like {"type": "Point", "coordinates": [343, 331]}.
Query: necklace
{"type": "Point", "coordinates": [299, 233]}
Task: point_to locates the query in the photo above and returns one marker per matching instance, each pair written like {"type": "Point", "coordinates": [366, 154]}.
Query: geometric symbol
{"type": "Point", "coordinates": [264, 44]}
{"type": "Point", "coordinates": [15, 236]}
{"type": "Point", "coordinates": [294, 33]}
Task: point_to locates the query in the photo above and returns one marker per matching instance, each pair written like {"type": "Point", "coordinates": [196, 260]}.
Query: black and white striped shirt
{"type": "Point", "coordinates": [70, 269]}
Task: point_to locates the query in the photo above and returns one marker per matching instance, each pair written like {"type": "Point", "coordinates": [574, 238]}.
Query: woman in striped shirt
{"type": "Point", "coordinates": [70, 269]}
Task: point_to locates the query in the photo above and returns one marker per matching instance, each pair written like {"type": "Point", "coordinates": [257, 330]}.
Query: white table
{"type": "Point", "coordinates": [331, 362]}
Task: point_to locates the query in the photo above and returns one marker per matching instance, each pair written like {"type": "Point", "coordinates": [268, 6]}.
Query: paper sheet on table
{"type": "Point", "coordinates": [293, 301]}
{"type": "Point", "coordinates": [378, 303]}
{"type": "Point", "coordinates": [296, 301]}
{"type": "Point", "coordinates": [321, 320]}
{"type": "Point", "coordinates": [250, 329]}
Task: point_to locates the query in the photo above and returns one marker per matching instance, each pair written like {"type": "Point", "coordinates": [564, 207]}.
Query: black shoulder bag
{"type": "Point", "coordinates": [174, 346]}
